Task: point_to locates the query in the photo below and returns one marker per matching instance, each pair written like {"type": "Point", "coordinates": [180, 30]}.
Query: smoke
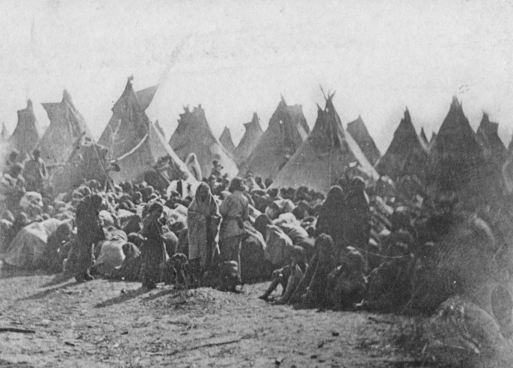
{"type": "Point", "coordinates": [173, 59]}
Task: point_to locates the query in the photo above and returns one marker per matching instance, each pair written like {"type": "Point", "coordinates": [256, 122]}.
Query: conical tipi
{"type": "Point", "coordinates": [87, 161]}
{"type": "Point", "coordinates": [226, 140]}
{"type": "Point", "coordinates": [406, 155]}
{"type": "Point", "coordinates": [135, 144]}
{"type": "Point", "coordinates": [66, 125]}
{"type": "Point", "coordinates": [129, 123]}
{"type": "Point", "coordinates": [152, 151]}
{"type": "Point", "coordinates": [27, 134]}
{"type": "Point", "coordinates": [286, 133]}
{"type": "Point", "coordinates": [249, 140]}
{"type": "Point", "coordinates": [488, 138]}
{"type": "Point", "coordinates": [361, 135]}
{"type": "Point", "coordinates": [325, 157]}
{"type": "Point", "coordinates": [193, 135]}
{"type": "Point", "coordinates": [457, 163]}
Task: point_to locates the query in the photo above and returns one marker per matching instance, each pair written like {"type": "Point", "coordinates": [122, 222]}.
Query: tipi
{"type": "Point", "coordinates": [361, 135]}
{"type": "Point", "coordinates": [87, 161]}
{"type": "Point", "coordinates": [152, 152]}
{"type": "Point", "coordinates": [286, 133]}
{"type": "Point", "coordinates": [66, 125]}
{"type": "Point", "coordinates": [249, 140]}
{"type": "Point", "coordinates": [457, 161]}
{"type": "Point", "coordinates": [129, 123]}
{"type": "Point", "coordinates": [488, 138]}
{"type": "Point", "coordinates": [226, 140]}
{"type": "Point", "coordinates": [406, 155]}
{"type": "Point", "coordinates": [325, 156]}
{"type": "Point", "coordinates": [193, 135]}
{"type": "Point", "coordinates": [27, 134]}
{"type": "Point", "coordinates": [135, 144]}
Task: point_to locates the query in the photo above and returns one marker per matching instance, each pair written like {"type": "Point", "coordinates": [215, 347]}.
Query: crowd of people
{"type": "Point", "coordinates": [365, 245]}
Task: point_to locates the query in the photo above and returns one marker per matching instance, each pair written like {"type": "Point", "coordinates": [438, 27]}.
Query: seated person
{"type": "Point", "coordinates": [312, 290]}
{"type": "Point", "coordinates": [389, 284]}
{"type": "Point", "coordinates": [288, 277]}
{"type": "Point", "coordinates": [53, 253]}
{"type": "Point", "coordinates": [347, 282]}
{"type": "Point", "coordinates": [130, 269]}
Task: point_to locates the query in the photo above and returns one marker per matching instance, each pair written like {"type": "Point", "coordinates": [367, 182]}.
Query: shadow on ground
{"type": "Point", "coordinates": [123, 297]}
{"type": "Point", "coordinates": [45, 293]}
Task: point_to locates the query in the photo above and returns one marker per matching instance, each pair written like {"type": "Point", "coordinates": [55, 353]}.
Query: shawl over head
{"type": "Point", "coordinates": [208, 207]}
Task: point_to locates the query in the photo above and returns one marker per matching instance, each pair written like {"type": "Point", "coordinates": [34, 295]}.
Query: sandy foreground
{"type": "Point", "coordinates": [119, 324]}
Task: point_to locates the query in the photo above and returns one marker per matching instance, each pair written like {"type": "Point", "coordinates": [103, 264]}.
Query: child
{"type": "Point", "coordinates": [153, 249]}
{"type": "Point", "coordinates": [288, 276]}
{"type": "Point", "coordinates": [348, 283]}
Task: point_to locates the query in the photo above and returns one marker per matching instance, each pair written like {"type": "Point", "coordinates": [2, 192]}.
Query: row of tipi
{"type": "Point", "coordinates": [287, 152]}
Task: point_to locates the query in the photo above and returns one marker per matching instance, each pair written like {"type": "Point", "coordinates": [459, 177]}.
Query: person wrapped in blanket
{"type": "Point", "coordinates": [202, 221]}
{"type": "Point", "coordinates": [313, 291]}
{"type": "Point", "coordinates": [153, 251]}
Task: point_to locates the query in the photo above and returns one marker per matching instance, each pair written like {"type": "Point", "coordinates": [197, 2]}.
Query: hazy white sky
{"type": "Point", "coordinates": [236, 57]}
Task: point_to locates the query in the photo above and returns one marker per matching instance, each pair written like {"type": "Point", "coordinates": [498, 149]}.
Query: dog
{"type": "Point", "coordinates": [176, 271]}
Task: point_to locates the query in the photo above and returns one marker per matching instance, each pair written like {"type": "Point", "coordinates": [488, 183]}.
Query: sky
{"type": "Point", "coordinates": [239, 57]}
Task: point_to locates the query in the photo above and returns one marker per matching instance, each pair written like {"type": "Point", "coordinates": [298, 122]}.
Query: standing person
{"type": "Point", "coordinates": [235, 211]}
{"type": "Point", "coordinates": [35, 173]}
{"type": "Point", "coordinates": [332, 218]}
{"type": "Point", "coordinates": [193, 166]}
{"type": "Point", "coordinates": [89, 233]}
{"type": "Point", "coordinates": [153, 248]}
{"type": "Point", "coordinates": [202, 222]}
{"type": "Point", "coordinates": [358, 225]}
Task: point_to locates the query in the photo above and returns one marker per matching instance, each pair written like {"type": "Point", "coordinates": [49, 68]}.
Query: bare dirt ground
{"type": "Point", "coordinates": [118, 324]}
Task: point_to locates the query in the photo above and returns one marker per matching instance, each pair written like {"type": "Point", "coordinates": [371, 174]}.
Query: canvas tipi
{"type": "Point", "coordinates": [135, 144]}
{"type": "Point", "coordinates": [25, 137]}
{"type": "Point", "coordinates": [150, 154]}
{"type": "Point", "coordinates": [326, 155]}
{"type": "Point", "coordinates": [193, 135]}
{"type": "Point", "coordinates": [488, 138]}
{"type": "Point", "coordinates": [361, 135]}
{"type": "Point", "coordinates": [457, 161]}
{"type": "Point", "coordinates": [406, 155]}
{"type": "Point", "coordinates": [286, 133]}
{"type": "Point", "coordinates": [129, 123]}
{"type": "Point", "coordinates": [249, 140]}
{"type": "Point", "coordinates": [66, 125]}
{"type": "Point", "coordinates": [87, 160]}
{"type": "Point", "coordinates": [226, 140]}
